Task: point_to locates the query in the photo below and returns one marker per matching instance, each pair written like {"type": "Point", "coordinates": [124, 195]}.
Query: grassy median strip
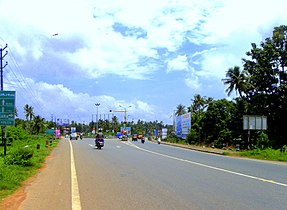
{"type": "Point", "coordinates": [23, 159]}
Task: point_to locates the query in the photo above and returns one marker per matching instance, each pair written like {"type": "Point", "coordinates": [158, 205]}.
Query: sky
{"type": "Point", "coordinates": [143, 56]}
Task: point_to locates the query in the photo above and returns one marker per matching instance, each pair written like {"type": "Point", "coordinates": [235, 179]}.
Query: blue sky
{"type": "Point", "coordinates": [150, 55]}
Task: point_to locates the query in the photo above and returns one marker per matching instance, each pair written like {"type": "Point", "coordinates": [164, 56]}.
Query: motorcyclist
{"type": "Point", "coordinates": [158, 140]}
{"type": "Point", "coordinates": [99, 135]}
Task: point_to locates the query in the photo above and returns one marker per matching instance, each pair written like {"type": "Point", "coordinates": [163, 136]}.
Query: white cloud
{"type": "Point", "coordinates": [62, 102]}
{"type": "Point", "coordinates": [179, 63]}
{"type": "Point", "coordinates": [232, 32]}
{"type": "Point", "coordinates": [143, 106]}
{"type": "Point", "coordinates": [105, 51]}
{"type": "Point", "coordinates": [192, 81]}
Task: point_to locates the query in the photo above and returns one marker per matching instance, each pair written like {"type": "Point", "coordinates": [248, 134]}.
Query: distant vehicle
{"type": "Point", "coordinates": [119, 135]}
{"type": "Point", "coordinates": [99, 141]}
{"type": "Point", "coordinates": [124, 138]}
{"type": "Point", "coordinates": [134, 137]}
{"type": "Point", "coordinates": [73, 136]}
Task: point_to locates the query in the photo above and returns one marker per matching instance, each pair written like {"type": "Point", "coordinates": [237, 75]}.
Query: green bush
{"type": "Point", "coordinates": [16, 133]}
{"type": "Point", "coordinates": [192, 136]}
{"type": "Point", "coordinates": [266, 154]}
{"type": "Point", "coordinates": [20, 156]}
{"type": "Point", "coordinates": [262, 140]}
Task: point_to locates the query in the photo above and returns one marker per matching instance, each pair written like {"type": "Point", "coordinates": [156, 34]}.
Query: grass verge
{"type": "Point", "coordinates": [15, 169]}
{"type": "Point", "coordinates": [266, 154]}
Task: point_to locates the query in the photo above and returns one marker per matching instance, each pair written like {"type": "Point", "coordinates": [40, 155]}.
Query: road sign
{"type": "Point", "coordinates": [254, 122]}
{"type": "Point", "coordinates": [7, 108]}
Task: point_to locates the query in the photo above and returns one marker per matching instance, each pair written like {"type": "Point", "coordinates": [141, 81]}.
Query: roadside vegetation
{"type": "Point", "coordinates": [25, 155]}
{"type": "Point", "coordinates": [261, 89]}
{"type": "Point", "coordinates": [26, 151]}
{"type": "Point", "coordinates": [266, 154]}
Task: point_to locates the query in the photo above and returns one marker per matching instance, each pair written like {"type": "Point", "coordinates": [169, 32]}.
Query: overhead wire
{"type": "Point", "coordinates": [15, 78]}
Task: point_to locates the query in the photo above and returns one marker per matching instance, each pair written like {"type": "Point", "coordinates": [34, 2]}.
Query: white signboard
{"type": "Point", "coordinates": [164, 133]}
{"type": "Point", "coordinates": [254, 122]}
{"type": "Point", "coordinates": [185, 126]}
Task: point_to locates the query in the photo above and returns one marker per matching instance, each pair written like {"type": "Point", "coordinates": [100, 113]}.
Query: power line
{"type": "Point", "coordinates": [22, 83]}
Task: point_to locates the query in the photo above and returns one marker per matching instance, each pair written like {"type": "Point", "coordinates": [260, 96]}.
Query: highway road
{"type": "Point", "coordinates": [132, 175]}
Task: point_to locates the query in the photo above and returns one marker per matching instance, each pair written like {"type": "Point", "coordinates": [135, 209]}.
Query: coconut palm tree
{"type": "Point", "coordinates": [199, 103]}
{"type": "Point", "coordinates": [180, 110]}
{"type": "Point", "coordinates": [28, 111]}
{"type": "Point", "coordinates": [236, 80]}
{"type": "Point", "coordinates": [39, 124]}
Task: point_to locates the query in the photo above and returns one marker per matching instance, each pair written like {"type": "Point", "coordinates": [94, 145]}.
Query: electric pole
{"type": "Point", "coordinates": [97, 105]}
{"type": "Point", "coordinates": [1, 64]}
{"type": "Point", "coordinates": [1, 75]}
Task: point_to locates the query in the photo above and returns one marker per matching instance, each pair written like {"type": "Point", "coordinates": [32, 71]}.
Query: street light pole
{"type": "Point", "coordinates": [97, 105]}
{"type": "Point", "coordinates": [125, 117]}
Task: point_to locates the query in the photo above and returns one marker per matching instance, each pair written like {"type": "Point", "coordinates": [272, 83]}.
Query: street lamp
{"type": "Point", "coordinates": [97, 105]}
{"type": "Point", "coordinates": [125, 116]}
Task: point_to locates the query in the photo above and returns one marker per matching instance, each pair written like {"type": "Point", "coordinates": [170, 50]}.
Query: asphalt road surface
{"type": "Point", "coordinates": [132, 175]}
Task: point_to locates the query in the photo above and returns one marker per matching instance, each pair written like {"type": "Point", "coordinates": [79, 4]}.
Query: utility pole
{"type": "Point", "coordinates": [4, 142]}
{"type": "Point", "coordinates": [97, 105]}
{"type": "Point", "coordinates": [1, 64]}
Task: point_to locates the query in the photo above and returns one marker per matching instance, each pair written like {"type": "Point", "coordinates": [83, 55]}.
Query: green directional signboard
{"type": "Point", "coordinates": [7, 108]}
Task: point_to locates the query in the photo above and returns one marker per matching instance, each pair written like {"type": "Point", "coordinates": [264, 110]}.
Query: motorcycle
{"type": "Point", "coordinates": [99, 143]}
{"type": "Point", "coordinates": [143, 140]}
{"type": "Point", "coordinates": [158, 140]}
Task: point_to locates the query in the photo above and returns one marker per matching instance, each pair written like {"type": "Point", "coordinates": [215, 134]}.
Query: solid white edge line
{"type": "Point", "coordinates": [76, 202]}
{"type": "Point", "coordinates": [207, 166]}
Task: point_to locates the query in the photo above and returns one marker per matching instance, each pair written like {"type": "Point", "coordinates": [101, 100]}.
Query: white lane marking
{"type": "Point", "coordinates": [207, 166]}
{"type": "Point", "coordinates": [76, 202]}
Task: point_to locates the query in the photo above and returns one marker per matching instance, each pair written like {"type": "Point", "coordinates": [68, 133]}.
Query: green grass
{"type": "Point", "coordinates": [13, 175]}
{"type": "Point", "coordinates": [266, 154]}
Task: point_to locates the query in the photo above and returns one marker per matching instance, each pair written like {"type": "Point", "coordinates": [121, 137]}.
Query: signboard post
{"type": "Point", "coordinates": [7, 113]}
{"type": "Point", "coordinates": [7, 108]}
{"type": "Point", "coordinates": [254, 122]}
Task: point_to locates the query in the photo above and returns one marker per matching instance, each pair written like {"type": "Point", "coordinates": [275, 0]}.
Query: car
{"type": "Point", "coordinates": [73, 136]}
{"type": "Point", "coordinates": [134, 137]}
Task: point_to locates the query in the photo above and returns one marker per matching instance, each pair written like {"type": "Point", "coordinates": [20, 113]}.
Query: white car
{"type": "Point", "coordinates": [73, 136]}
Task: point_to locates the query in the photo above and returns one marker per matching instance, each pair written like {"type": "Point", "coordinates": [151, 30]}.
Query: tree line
{"type": "Point", "coordinates": [34, 124]}
{"type": "Point", "coordinates": [261, 89]}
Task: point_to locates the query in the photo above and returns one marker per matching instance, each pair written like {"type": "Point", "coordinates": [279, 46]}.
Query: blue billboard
{"type": "Point", "coordinates": [183, 124]}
